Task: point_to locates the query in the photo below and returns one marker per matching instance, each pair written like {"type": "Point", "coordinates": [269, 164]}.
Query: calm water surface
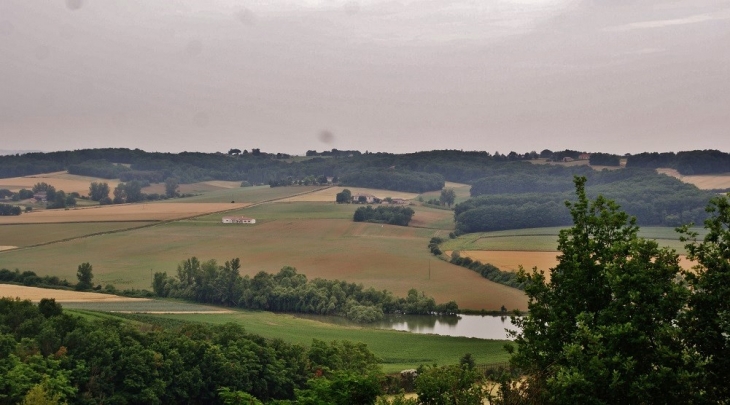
{"type": "Point", "coordinates": [476, 326]}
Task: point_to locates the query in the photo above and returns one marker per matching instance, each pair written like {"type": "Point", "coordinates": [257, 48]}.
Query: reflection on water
{"type": "Point", "coordinates": [475, 326]}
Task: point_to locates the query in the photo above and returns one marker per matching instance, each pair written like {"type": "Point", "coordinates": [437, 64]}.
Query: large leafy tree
{"type": "Point", "coordinates": [603, 329]}
{"type": "Point", "coordinates": [707, 324]}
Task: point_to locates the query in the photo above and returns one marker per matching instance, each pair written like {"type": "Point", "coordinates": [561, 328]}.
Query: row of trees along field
{"type": "Point", "coordinates": [50, 357]}
{"type": "Point", "coordinates": [620, 322]}
{"type": "Point", "coordinates": [653, 199]}
{"type": "Point", "coordinates": [384, 214]}
{"type": "Point", "coordinates": [288, 291]}
{"type": "Point", "coordinates": [404, 172]}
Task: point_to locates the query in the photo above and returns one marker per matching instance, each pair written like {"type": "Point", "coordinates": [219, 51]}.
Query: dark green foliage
{"type": "Point", "coordinates": [343, 197]}
{"type": "Point", "coordinates": [98, 191]}
{"type": "Point", "coordinates": [452, 385]}
{"type": "Point", "coordinates": [687, 163]}
{"type": "Point", "coordinates": [59, 200]}
{"type": "Point", "coordinates": [7, 210]}
{"type": "Point", "coordinates": [604, 159]}
{"type": "Point", "coordinates": [113, 362]}
{"type": "Point", "coordinates": [604, 330]}
{"type": "Point", "coordinates": [30, 278]}
{"type": "Point", "coordinates": [171, 187]}
{"type": "Point", "coordinates": [287, 291]}
{"type": "Point", "coordinates": [402, 180]}
{"type": "Point", "coordinates": [341, 388]}
{"type": "Point", "coordinates": [128, 192]}
{"type": "Point", "coordinates": [98, 168]}
{"type": "Point", "coordinates": [85, 276]}
{"type": "Point", "coordinates": [447, 196]}
{"type": "Point", "coordinates": [433, 245]}
{"type": "Point", "coordinates": [142, 176]}
{"type": "Point", "coordinates": [490, 272]}
{"type": "Point", "coordinates": [707, 321]}
{"type": "Point", "coordinates": [24, 194]}
{"type": "Point", "coordinates": [382, 214]}
{"type": "Point", "coordinates": [653, 199]}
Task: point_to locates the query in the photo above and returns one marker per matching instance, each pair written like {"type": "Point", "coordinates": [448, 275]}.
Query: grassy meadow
{"type": "Point", "coordinates": [318, 238]}
{"type": "Point", "coordinates": [397, 350]}
{"type": "Point", "coordinates": [546, 239]}
{"type": "Point", "coordinates": [23, 235]}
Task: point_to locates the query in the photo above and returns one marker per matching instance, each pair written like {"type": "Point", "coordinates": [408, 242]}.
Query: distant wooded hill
{"type": "Point", "coordinates": [512, 193]}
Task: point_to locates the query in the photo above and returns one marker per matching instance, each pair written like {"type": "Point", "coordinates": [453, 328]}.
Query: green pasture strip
{"type": "Point", "coordinates": [398, 350]}
{"type": "Point", "coordinates": [289, 210]}
{"type": "Point", "coordinates": [247, 194]}
{"type": "Point", "coordinates": [23, 235]}
{"type": "Point", "coordinates": [546, 239]}
{"type": "Point", "coordinates": [141, 306]}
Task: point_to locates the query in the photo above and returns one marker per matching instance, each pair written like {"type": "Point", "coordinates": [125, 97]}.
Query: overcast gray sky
{"type": "Point", "coordinates": [381, 75]}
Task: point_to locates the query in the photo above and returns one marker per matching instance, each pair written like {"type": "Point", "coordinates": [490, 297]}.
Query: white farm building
{"type": "Point", "coordinates": [238, 220]}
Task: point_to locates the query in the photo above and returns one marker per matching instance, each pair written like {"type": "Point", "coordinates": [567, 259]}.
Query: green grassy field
{"type": "Point", "coordinates": [33, 234]}
{"type": "Point", "coordinates": [546, 239]}
{"type": "Point", "coordinates": [398, 350]}
{"type": "Point", "coordinates": [319, 239]}
{"type": "Point", "coordinates": [141, 306]}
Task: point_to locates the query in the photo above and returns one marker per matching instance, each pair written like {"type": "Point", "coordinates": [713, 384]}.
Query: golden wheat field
{"type": "Point", "coordinates": [123, 212]}
{"type": "Point", "coordinates": [328, 194]}
{"type": "Point", "coordinates": [60, 180]}
{"type": "Point", "coordinates": [709, 182]}
{"type": "Point", "coordinates": [35, 294]}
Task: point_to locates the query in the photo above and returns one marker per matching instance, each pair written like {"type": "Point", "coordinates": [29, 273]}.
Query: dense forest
{"type": "Point", "coordinates": [47, 355]}
{"type": "Point", "coordinates": [687, 163]}
{"type": "Point", "coordinates": [258, 167]}
{"type": "Point", "coordinates": [654, 199]}
{"type": "Point", "coordinates": [384, 214]}
{"type": "Point", "coordinates": [619, 321]}
{"type": "Point", "coordinates": [288, 291]}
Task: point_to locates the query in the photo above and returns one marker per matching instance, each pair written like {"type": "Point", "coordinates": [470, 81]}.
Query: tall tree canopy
{"type": "Point", "coordinates": [603, 329]}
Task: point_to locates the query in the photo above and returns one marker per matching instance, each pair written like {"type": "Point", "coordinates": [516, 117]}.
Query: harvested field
{"type": "Point", "coordinates": [121, 213]}
{"type": "Point", "coordinates": [60, 180]}
{"type": "Point", "coordinates": [706, 182]}
{"type": "Point", "coordinates": [328, 195]}
{"type": "Point", "coordinates": [426, 217]}
{"type": "Point", "coordinates": [35, 294]}
{"type": "Point", "coordinates": [384, 257]}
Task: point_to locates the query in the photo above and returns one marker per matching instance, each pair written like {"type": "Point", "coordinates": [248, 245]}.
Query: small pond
{"type": "Point", "coordinates": [476, 326]}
